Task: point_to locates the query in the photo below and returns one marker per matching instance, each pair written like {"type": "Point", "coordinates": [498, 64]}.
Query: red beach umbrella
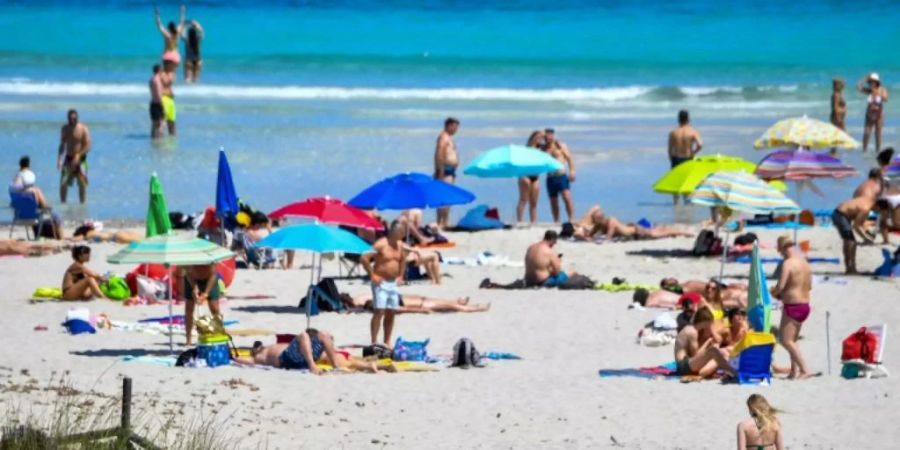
{"type": "Point", "coordinates": [329, 211]}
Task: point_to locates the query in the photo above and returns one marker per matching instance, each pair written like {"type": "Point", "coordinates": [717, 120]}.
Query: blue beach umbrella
{"type": "Point", "coordinates": [512, 161]}
{"type": "Point", "coordinates": [316, 238]}
{"type": "Point", "coordinates": [226, 197]}
{"type": "Point", "coordinates": [410, 190]}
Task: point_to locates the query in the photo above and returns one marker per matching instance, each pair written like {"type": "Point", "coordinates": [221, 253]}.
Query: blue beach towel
{"type": "Point", "coordinates": [745, 259]}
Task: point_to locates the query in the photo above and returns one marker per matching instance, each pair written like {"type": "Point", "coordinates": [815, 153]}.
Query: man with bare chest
{"type": "Point", "coordinates": [74, 145]}
{"type": "Point", "coordinates": [385, 268]}
{"type": "Point", "coordinates": [446, 160]}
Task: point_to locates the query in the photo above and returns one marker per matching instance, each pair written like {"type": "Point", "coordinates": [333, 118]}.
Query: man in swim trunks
{"type": "Point", "coordinates": [871, 187]}
{"type": "Point", "coordinates": [794, 285]}
{"type": "Point", "coordinates": [877, 97]}
{"type": "Point", "coordinates": [385, 268]}
{"type": "Point", "coordinates": [446, 160]}
{"type": "Point", "coordinates": [543, 266]}
{"type": "Point", "coordinates": [691, 358]}
{"type": "Point", "coordinates": [849, 218]}
{"type": "Point", "coordinates": [199, 284]}
{"type": "Point", "coordinates": [156, 107]}
{"type": "Point", "coordinates": [559, 182]}
{"type": "Point", "coordinates": [167, 80]}
{"type": "Point", "coordinates": [684, 143]}
{"type": "Point", "coordinates": [74, 145]}
{"type": "Point", "coordinates": [300, 354]}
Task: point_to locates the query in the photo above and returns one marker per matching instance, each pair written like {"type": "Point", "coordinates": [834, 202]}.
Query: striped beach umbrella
{"type": "Point", "coordinates": [801, 165]}
{"type": "Point", "coordinates": [685, 177]}
{"type": "Point", "coordinates": [744, 192]}
{"type": "Point", "coordinates": [805, 132]}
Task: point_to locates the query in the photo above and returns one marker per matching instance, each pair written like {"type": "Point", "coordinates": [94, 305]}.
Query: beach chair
{"type": "Point", "coordinates": [350, 263]}
{"type": "Point", "coordinates": [857, 368]}
{"type": "Point", "coordinates": [26, 213]}
{"type": "Point", "coordinates": [755, 358]}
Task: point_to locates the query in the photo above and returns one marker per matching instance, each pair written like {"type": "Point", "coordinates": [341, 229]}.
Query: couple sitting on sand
{"type": "Point", "coordinates": [693, 358]}
{"type": "Point", "coordinates": [596, 223]}
{"type": "Point", "coordinates": [304, 351]}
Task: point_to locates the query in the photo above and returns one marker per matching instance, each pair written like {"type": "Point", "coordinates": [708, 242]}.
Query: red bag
{"type": "Point", "coordinates": [860, 345]}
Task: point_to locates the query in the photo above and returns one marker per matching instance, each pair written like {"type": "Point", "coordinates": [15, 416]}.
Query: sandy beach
{"type": "Point", "coordinates": [552, 398]}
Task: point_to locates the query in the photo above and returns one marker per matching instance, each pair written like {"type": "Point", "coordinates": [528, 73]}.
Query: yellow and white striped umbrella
{"type": "Point", "coordinates": [804, 132]}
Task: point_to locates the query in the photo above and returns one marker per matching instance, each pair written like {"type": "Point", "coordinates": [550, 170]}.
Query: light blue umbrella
{"type": "Point", "coordinates": [226, 197]}
{"type": "Point", "coordinates": [316, 238]}
{"type": "Point", "coordinates": [512, 161]}
{"type": "Point", "coordinates": [411, 190]}
{"type": "Point", "coordinates": [759, 301]}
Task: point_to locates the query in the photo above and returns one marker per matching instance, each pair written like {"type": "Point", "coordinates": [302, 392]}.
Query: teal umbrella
{"type": "Point", "coordinates": [157, 211]}
{"type": "Point", "coordinates": [316, 238]}
{"type": "Point", "coordinates": [759, 301]}
{"type": "Point", "coordinates": [512, 161]}
{"type": "Point", "coordinates": [168, 250]}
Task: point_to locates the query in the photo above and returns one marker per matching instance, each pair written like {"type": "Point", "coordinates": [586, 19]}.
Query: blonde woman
{"type": "Point", "coordinates": [763, 430]}
{"type": "Point", "coordinates": [530, 187]}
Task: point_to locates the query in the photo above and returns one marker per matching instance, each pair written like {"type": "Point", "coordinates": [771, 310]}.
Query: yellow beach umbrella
{"type": "Point", "coordinates": [685, 177]}
{"type": "Point", "coordinates": [804, 132]}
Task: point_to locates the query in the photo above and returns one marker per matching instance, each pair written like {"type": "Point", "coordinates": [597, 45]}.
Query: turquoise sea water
{"type": "Point", "coordinates": [326, 97]}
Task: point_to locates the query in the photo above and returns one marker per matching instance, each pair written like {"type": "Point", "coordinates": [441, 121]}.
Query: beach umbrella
{"type": "Point", "coordinates": [410, 190]}
{"type": "Point", "coordinates": [804, 132]}
{"type": "Point", "coordinates": [685, 177]}
{"type": "Point", "coordinates": [330, 211]}
{"type": "Point", "coordinates": [168, 250]}
{"type": "Point", "coordinates": [157, 211]}
{"type": "Point", "coordinates": [315, 238]}
{"type": "Point", "coordinates": [801, 165]}
{"type": "Point", "coordinates": [742, 192]}
{"type": "Point", "coordinates": [759, 301]}
{"type": "Point", "coordinates": [512, 161]}
{"type": "Point", "coordinates": [226, 197]}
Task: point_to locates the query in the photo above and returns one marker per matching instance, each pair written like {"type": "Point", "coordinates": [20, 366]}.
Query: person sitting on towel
{"type": "Point", "coordinates": [80, 282]}
{"type": "Point", "coordinates": [303, 352]}
{"type": "Point", "coordinates": [543, 267]}
{"type": "Point", "coordinates": [693, 358]}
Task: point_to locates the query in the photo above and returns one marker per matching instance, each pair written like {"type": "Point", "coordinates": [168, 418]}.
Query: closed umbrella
{"type": "Point", "coordinates": [802, 165]}
{"type": "Point", "coordinates": [759, 301]}
{"type": "Point", "coordinates": [685, 177]}
{"type": "Point", "coordinates": [410, 190]}
{"type": "Point", "coordinates": [743, 192]}
{"type": "Point", "coordinates": [168, 250]}
{"type": "Point", "coordinates": [316, 238]}
{"type": "Point", "coordinates": [512, 161]}
{"type": "Point", "coordinates": [330, 211]}
{"type": "Point", "coordinates": [157, 211]}
{"type": "Point", "coordinates": [226, 196]}
{"type": "Point", "coordinates": [805, 132]}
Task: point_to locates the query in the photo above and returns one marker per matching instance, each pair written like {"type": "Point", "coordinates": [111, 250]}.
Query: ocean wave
{"type": "Point", "coordinates": [600, 94]}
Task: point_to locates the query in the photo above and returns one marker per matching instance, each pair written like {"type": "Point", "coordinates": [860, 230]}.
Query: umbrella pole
{"type": "Point", "coordinates": [171, 299]}
{"type": "Point", "coordinates": [724, 253]}
{"type": "Point", "coordinates": [309, 294]}
{"type": "Point", "coordinates": [828, 339]}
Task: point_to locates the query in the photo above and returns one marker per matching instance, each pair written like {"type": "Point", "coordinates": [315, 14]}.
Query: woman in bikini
{"type": "Point", "coordinates": [170, 36]}
{"type": "Point", "coordinates": [877, 97]}
{"type": "Point", "coordinates": [79, 282]}
{"type": "Point", "coordinates": [763, 430]}
{"type": "Point", "coordinates": [199, 284]}
{"type": "Point", "coordinates": [530, 187]}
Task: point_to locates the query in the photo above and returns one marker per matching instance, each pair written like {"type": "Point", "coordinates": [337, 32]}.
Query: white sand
{"type": "Point", "coordinates": [552, 399]}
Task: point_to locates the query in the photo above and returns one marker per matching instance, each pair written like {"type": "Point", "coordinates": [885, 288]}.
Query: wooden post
{"type": "Point", "coordinates": [126, 407]}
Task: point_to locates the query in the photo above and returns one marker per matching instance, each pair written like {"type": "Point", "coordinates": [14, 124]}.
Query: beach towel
{"type": "Point", "coordinates": [622, 287]}
{"type": "Point", "coordinates": [666, 371]}
{"type": "Point", "coordinates": [497, 356]}
{"type": "Point", "coordinates": [46, 294]}
{"type": "Point", "coordinates": [165, 361]}
{"type": "Point", "coordinates": [812, 259]}
{"type": "Point", "coordinates": [485, 258]}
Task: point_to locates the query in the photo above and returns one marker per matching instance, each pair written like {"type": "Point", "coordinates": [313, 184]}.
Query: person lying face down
{"type": "Point", "coordinates": [304, 351]}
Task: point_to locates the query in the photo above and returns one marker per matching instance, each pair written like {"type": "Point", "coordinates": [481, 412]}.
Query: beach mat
{"type": "Point", "coordinates": [812, 260]}
{"type": "Point", "coordinates": [663, 371]}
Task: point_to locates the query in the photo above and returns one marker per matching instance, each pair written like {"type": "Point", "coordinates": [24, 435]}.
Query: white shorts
{"type": "Point", "coordinates": [386, 295]}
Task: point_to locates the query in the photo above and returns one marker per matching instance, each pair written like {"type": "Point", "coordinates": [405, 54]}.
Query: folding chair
{"type": "Point", "coordinates": [755, 352]}
{"type": "Point", "coordinates": [26, 212]}
{"type": "Point", "coordinates": [351, 263]}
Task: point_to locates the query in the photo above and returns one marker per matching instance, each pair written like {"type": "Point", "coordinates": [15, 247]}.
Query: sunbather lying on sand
{"type": "Point", "coordinates": [303, 352]}
{"type": "Point", "coordinates": [597, 222]}
{"type": "Point", "coordinates": [695, 359]}
{"type": "Point", "coordinates": [9, 247]}
{"type": "Point", "coordinates": [89, 232]}
{"type": "Point", "coordinates": [732, 295]}
{"type": "Point", "coordinates": [418, 304]}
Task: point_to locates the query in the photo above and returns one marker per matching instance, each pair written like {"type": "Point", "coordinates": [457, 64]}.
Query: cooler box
{"type": "Point", "coordinates": [214, 354]}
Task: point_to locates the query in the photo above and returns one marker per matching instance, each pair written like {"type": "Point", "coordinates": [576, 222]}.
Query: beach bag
{"type": "Point", "coordinates": [577, 282]}
{"type": "Point", "coordinates": [151, 289]}
{"type": "Point", "coordinates": [567, 231]}
{"type": "Point", "coordinates": [860, 345]}
{"type": "Point", "coordinates": [115, 288]}
{"type": "Point", "coordinates": [745, 239]}
{"type": "Point", "coordinates": [465, 354]}
{"type": "Point", "coordinates": [377, 351]}
{"type": "Point", "coordinates": [410, 350]}
{"type": "Point", "coordinates": [706, 244]}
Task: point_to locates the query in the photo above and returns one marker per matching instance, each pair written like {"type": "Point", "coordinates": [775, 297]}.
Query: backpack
{"type": "Point", "coordinates": [410, 350]}
{"type": "Point", "coordinates": [465, 355]}
{"type": "Point", "coordinates": [577, 282]}
{"type": "Point", "coordinates": [745, 239]}
{"type": "Point", "coordinates": [860, 345]}
{"type": "Point", "coordinates": [378, 351]}
{"type": "Point", "coordinates": [567, 231]}
{"type": "Point", "coordinates": [707, 244]}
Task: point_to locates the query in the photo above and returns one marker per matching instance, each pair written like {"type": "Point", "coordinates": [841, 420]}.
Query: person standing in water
{"type": "Point", "coordinates": [192, 37]}
{"type": "Point", "coordinates": [167, 99]}
{"type": "Point", "coordinates": [530, 186]}
{"type": "Point", "coordinates": [877, 97]}
{"type": "Point", "coordinates": [838, 107]}
{"type": "Point", "coordinates": [156, 107]}
{"type": "Point", "coordinates": [74, 145]}
{"type": "Point", "coordinates": [684, 143]}
{"type": "Point", "coordinates": [446, 160]}
{"type": "Point", "coordinates": [560, 182]}
{"type": "Point", "coordinates": [763, 430]}
{"type": "Point", "coordinates": [170, 34]}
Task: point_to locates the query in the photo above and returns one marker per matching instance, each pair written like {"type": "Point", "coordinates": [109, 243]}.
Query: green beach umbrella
{"type": "Point", "coordinates": [759, 301]}
{"type": "Point", "coordinates": [157, 211]}
{"type": "Point", "coordinates": [685, 177]}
